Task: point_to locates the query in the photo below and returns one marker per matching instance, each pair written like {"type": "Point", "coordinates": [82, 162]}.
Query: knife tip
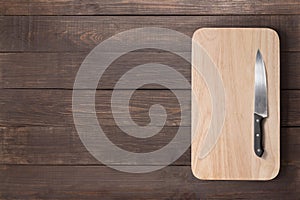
{"type": "Point", "coordinates": [258, 53]}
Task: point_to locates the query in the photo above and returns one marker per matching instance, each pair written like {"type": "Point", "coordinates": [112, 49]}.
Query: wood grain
{"type": "Point", "coordinates": [54, 107]}
{"type": "Point", "coordinates": [58, 70]}
{"type": "Point", "coordinates": [62, 146]}
{"type": "Point", "coordinates": [39, 145]}
{"type": "Point", "coordinates": [228, 154]}
{"type": "Point", "coordinates": [83, 33]}
{"type": "Point", "coordinates": [135, 7]}
{"type": "Point", "coordinates": [172, 182]}
{"type": "Point", "coordinates": [287, 103]}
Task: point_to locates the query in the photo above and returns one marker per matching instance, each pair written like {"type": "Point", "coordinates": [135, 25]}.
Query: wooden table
{"type": "Point", "coordinates": [43, 43]}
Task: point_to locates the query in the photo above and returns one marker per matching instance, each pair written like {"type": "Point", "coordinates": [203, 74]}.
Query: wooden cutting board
{"type": "Point", "coordinates": [223, 104]}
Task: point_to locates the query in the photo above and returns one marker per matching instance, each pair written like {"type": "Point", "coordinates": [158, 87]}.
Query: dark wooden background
{"type": "Point", "coordinates": [42, 44]}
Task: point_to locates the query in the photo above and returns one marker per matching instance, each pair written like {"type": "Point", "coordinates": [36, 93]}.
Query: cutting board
{"type": "Point", "coordinates": [223, 63]}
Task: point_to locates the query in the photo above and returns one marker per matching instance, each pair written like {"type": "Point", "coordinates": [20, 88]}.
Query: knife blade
{"type": "Point", "coordinates": [260, 103]}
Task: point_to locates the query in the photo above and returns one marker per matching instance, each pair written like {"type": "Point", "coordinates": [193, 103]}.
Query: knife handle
{"type": "Point", "coordinates": [258, 135]}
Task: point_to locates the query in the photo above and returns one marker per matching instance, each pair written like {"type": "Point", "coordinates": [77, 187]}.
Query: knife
{"type": "Point", "coordinates": [260, 103]}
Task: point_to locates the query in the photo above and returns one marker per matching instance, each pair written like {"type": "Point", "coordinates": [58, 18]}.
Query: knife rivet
{"type": "Point", "coordinates": [257, 135]}
{"type": "Point", "coordinates": [257, 120]}
{"type": "Point", "coordinates": [258, 150]}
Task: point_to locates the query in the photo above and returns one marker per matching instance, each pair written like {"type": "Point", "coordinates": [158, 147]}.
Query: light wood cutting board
{"type": "Point", "coordinates": [227, 153]}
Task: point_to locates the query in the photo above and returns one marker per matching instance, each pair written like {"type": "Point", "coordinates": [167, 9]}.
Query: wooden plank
{"type": "Point", "coordinates": [82, 33]}
{"type": "Point", "coordinates": [172, 182]}
{"type": "Point", "coordinates": [62, 146]}
{"type": "Point", "coordinates": [135, 7]}
{"type": "Point", "coordinates": [58, 70]}
{"type": "Point", "coordinates": [54, 107]}
{"type": "Point", "coordinates": [34, 107]}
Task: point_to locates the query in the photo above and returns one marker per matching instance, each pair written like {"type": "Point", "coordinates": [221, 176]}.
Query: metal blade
{"type": "Point", "coordinates": [260, 102]}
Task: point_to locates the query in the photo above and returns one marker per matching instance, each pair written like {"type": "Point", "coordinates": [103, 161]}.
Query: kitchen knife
{"type": "Point", "coordinates": [260, 103]}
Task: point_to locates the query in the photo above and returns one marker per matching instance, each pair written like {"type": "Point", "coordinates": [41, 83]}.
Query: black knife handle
{"type": "Point", "coordinates": [258, 135]}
